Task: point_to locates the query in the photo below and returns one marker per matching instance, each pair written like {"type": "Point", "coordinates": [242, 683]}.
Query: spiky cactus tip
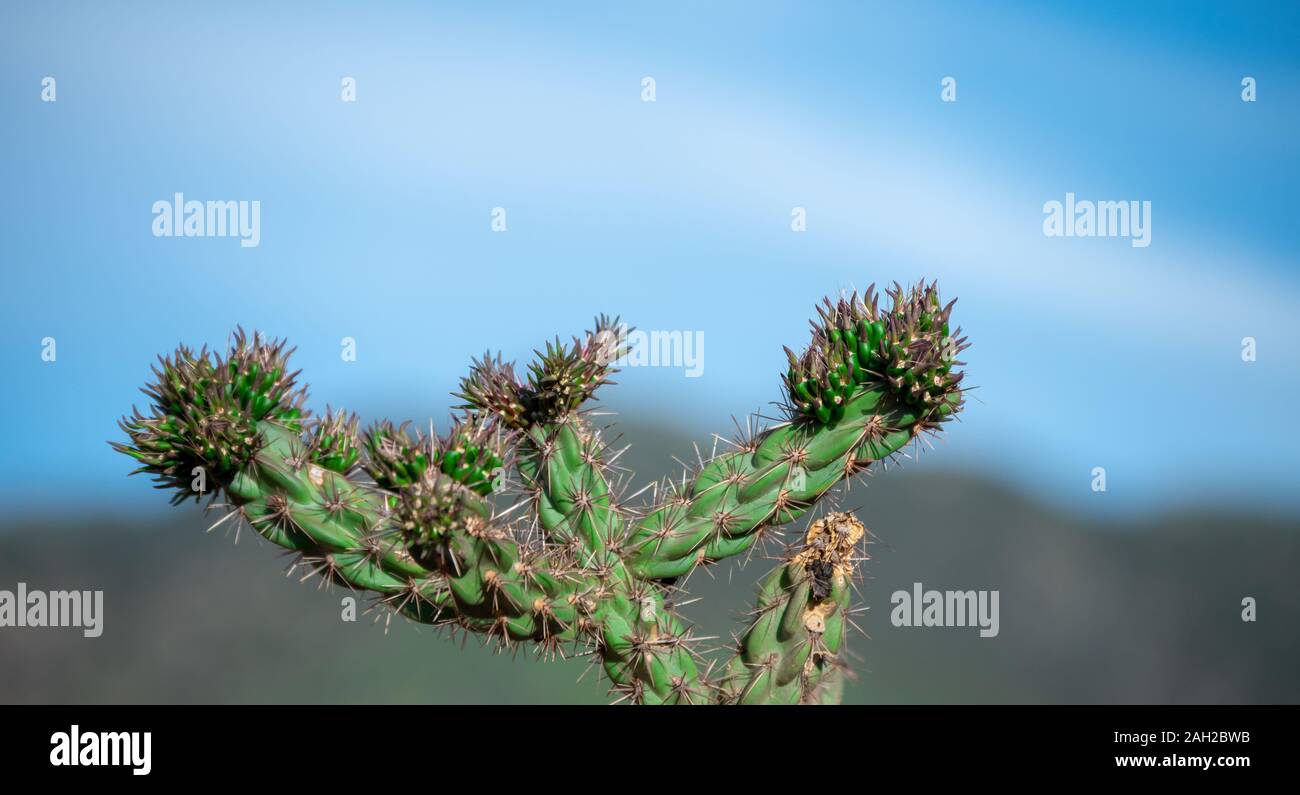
{"type": "Point", "coordinates": [509, 526]}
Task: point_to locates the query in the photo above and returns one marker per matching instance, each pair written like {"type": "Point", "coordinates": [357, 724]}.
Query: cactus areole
{"type": "Point", "coordinates": [510, 525]}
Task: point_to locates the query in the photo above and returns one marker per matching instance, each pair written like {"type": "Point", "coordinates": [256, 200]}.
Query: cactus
{"type": "Point", "coordinates": [508, 526]}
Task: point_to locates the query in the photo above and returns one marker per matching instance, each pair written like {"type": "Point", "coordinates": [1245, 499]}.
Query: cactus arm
{"type": "Point", "coordinates": [297, 504]}
{"type": "Point", "coordinates": [558, 457]}
{"type": "Point", "coordinates": [645, 650]}
{"type": "Point", "coordinates": [790, 653]}
{"type": "Point", "coordinates": [869, 383]}
{"type": "Point", "coordinates": [560, 464]}
{"type": "Point", "coordinates": [770, 483]}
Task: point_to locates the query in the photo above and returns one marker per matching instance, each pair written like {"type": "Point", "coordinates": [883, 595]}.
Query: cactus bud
{"type": "Point", "coordinates": [907, 350]}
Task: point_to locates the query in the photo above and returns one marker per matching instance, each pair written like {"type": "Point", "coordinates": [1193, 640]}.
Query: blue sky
{"type": "Point", "coordinates": [375, 219]}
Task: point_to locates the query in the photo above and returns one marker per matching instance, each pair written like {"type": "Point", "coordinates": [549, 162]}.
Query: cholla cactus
{"type": "Point", "coordinates": [509, 527]}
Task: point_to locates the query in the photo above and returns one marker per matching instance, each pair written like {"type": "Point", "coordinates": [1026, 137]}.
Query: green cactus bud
{"type": "Point", "coordinates": [913, 333]}
{"type": "Point", "coordinates": [206, 410]}
{"type": "Point", "coordinates": [334, 442]}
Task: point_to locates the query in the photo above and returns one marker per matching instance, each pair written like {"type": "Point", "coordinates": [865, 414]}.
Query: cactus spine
{"type": "Point", "coordinates": [417, 518]}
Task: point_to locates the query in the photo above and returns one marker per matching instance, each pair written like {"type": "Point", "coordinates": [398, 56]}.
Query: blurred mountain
{"type": "Point", "coordinates": [1089, 613]}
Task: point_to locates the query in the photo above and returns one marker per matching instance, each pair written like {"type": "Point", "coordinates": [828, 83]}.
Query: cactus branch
{"type": "Point", "coordinates": [868, 384]}
{"type": "Point", "coordinates": [789, 654]}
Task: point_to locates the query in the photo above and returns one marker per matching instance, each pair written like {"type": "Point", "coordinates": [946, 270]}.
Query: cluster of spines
{"type": "Point", "coordinates": [206, 409]}
{"type": "Point", "coordinates": [334, 441]}
{"type": "Point", "coordinates": [559, 381]}
{"type": "Point", "coordinates": [259, 380]}
{"type": "Point", "coordinates": [908, 349]}
{"type": "Point", "coordinates": [471, 453]}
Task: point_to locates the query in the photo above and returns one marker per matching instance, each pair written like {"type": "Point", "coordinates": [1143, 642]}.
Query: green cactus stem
{"type": "Point", "coordinates": [426, 523]}
{"type": "Point", "coordinates": [790, 652]}
{"type": "Point", "coordinates": [844, 417]}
